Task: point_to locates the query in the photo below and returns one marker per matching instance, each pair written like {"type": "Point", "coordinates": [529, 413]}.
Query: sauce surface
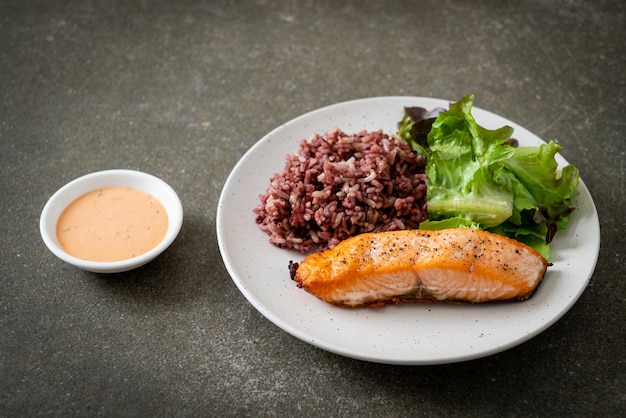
{"type": "Point", "coordinates": [112, 224]}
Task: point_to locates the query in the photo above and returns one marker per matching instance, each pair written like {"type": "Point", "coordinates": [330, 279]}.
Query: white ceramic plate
{"type": "Point", "coordinates": [411, 334]}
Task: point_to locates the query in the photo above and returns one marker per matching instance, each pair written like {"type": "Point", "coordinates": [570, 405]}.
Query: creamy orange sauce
{"type": "Point", "coordinates": [112, 224]}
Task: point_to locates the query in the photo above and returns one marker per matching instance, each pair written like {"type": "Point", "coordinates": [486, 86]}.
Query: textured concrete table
{"type": "Point", "coordinates": [181, 90]}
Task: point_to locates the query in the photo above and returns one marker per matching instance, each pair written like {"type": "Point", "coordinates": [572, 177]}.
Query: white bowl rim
{"type": "Point", "coordinates": [113, 177]}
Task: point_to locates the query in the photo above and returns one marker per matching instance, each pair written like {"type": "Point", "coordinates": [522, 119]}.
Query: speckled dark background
{"type": "Point", "coordinates": [181, 90]}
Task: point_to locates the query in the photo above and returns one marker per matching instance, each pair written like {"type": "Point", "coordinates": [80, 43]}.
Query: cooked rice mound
{"type": "Point", "coordinates": [338, 185]}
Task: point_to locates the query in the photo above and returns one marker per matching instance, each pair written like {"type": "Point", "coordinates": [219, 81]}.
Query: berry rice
{"type": "Point", "coordinates": [338, 185]}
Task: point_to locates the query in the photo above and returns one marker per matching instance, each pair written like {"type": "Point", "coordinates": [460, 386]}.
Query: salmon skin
{"type": "Point", "coordinates": [455, 265]}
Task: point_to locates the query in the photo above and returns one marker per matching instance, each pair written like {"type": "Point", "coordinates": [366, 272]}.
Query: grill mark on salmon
{"type": "Point", "coordinates": [454, 265]}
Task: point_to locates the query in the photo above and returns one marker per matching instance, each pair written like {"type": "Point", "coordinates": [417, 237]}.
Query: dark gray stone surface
{"type": "Point", "coordinates": [181, 90]}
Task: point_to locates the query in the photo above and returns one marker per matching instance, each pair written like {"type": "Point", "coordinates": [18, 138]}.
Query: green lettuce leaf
{"type": "Point", "coordinates": [464, 169]}
{"type": "Point", "coordinates": [479, 178]}
{"type": "Point", "coordinates": [536, 170]}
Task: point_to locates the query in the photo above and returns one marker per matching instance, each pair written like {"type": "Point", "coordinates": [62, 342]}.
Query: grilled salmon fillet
{"type": "Point", "coordinates": [457, 265]}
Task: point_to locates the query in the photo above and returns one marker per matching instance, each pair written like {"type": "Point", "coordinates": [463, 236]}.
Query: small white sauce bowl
{"type": "Point", "coordinates": [110, 178]}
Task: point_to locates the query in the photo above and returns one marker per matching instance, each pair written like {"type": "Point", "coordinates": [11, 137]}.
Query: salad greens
{"type": "Point", "coordinates": [480, 178]}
